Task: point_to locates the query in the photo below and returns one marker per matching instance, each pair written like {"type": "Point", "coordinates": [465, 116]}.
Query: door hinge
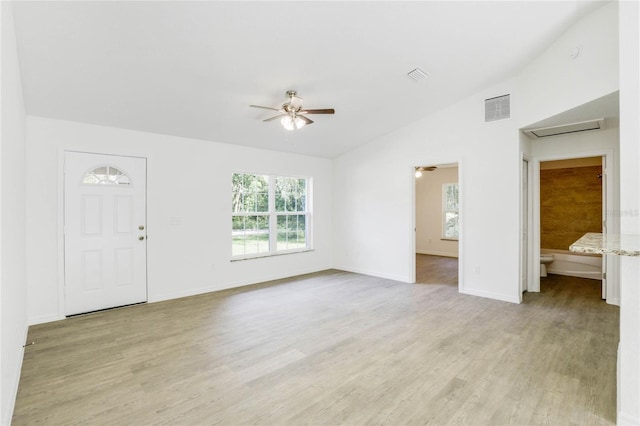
{"type": "Point", "coordinates": [604, 275]}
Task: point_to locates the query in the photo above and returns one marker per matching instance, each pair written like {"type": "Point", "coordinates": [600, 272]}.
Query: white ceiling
{"type": "Point", "coordinates": [192, 68]}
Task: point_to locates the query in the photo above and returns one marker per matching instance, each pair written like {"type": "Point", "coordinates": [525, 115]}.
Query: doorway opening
{"type": "Point", "coordinates": [437, 224]}
{"type": "Point", "coordinates": [571, 199]}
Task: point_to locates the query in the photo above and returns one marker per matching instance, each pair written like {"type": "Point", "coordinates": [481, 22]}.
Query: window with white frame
{"type": "Point", "coordinates": [270, 215]}
{"type": "Point", "coordinates": [450, 211]}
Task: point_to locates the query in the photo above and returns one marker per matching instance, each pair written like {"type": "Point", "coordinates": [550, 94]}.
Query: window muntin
{"type": "Point", "coordinates": [290, 194]}
{"type": "Point", "coordinates": [250, 193]}
{"type": "Point", "coordinates": [250, 235]}
{"type": "Point", "coordinates": [269, 215]}
{"type": "Point", "coordinates": [106, 175]}
{"type": "Point", "coordinates": [250, 219]}
{"type": "Point", "coordinates": [450, 213]}
{"type": "Point", "coordinates": [291, 232]}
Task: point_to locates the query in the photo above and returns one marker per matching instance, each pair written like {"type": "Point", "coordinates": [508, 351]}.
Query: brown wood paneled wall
{"type": "Point", "coordinates": [570, 205]}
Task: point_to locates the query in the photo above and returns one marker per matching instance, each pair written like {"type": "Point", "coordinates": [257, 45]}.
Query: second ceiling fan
{"type": "Point", "coordinates": [292, 115]}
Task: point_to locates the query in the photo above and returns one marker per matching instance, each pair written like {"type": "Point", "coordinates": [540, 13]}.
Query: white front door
{"type": "Point", "coordinates": [105, 245]}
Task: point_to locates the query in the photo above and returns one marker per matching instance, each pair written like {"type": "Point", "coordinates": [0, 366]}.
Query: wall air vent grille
{"type": "Point", "coordinates": [498, 108]}
{"type": "Point", "coordinates": [563, 129]}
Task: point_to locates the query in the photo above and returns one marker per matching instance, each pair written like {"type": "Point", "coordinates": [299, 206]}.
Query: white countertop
{"type": "Point", "coordinates": [620, 245]}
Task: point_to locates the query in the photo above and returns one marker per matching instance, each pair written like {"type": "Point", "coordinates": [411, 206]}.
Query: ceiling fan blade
{"type": "Point", "coordinates": [264, 107]}
{"type": "Point", "coordinates": [319, 111]}
{"type": "Point", "coordinates": [275, 117]}
{"type": "Point", "coordinates": [306, 120]}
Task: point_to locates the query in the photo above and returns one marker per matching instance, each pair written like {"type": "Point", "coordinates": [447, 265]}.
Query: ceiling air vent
{"type": "Point", "coordinates": [497, 108]}
{"type": "Point", "coordinates": [563, 129]}
{"type": "Point", "coordinates": [417, 74]}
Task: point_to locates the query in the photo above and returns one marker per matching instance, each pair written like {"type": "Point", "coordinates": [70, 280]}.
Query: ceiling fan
{"type": "Point", "coordinates": [292, 115]}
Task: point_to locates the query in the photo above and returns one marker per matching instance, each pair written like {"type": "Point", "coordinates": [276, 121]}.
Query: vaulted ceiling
{"type": "Point", "coordinates": [191, 69]}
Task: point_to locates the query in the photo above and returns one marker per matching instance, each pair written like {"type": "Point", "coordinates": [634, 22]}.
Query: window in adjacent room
{"type": "Point", "coordinates": [450, 211]}
{"type": "Point", "coordinates": [270, 215]}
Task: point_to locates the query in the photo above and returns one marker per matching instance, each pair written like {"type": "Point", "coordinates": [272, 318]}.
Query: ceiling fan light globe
{"type": "Point", "coordinates": [299, 123]}
{"type": "Point", "coordinates": [287, 123]}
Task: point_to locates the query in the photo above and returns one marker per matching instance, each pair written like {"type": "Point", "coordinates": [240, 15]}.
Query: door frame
{"type": "Point", "coordinates": [526, 225]}
{"type": "Point", "coordinates": [61, 217]}
{"type": "Point", "coordinates": [613, 225]}
{"type": "Point", "coordinates": [412, 230]}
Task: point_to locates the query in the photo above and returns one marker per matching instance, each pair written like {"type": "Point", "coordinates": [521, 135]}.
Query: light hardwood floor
{"type": "Point", "coordinates": [331, 348]}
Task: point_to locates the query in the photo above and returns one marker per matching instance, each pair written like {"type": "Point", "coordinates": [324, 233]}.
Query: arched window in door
{"type": "Point", "coordinates": [106, 175]}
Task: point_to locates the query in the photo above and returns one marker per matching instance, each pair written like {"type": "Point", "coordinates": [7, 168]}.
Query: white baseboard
{"type": "Point", "coordinates": [45, 318]}
{"type": "Point", "coordinates": [613, 301]}
{"type": "Point", "coordinates": [624, 419]}
{"type": "Point", "coordinates": [369, 272]}
{"type": "Point", "coordinates": [578, 274]}
{"type": "Point", "coordinates": [232, 284]}
{"type": "Point", "coordinates": [6, 420]}
{"type": "Point", "coordinates": [437, 253]}
{"type": "Point", "coordinates": [195, 291]}
{"type": "Point", "coordinates": [489, 295]}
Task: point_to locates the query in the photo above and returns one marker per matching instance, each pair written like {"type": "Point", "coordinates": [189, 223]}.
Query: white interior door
{"type": "Point", "coordinates": [104, 231]}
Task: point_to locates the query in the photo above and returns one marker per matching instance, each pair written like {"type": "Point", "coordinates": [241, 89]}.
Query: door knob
{"type": "Point", "coordinates": [141, 237]}
{"type": "Point", "coordinates": [141, 227]}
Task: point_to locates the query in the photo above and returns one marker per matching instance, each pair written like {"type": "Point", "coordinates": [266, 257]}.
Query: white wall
{"type": "Point", "coordinates": [629, 348]}
{"type": "Point", "coordinates": [189, 213]}
{"type": "Point", "coordinates": [429, 212]}
{"type": "Point", "coordinates": [555, 82]}
{"type": "Point", "coordinates": [13, 294]}
{"type": "Point", "coordinates": [374, 197]}
{"type": "Point", "coordinates": [374, 183]}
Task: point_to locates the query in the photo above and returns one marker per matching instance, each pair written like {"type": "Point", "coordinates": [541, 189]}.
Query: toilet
{"type": "Point", "coordinates": [545, 259]}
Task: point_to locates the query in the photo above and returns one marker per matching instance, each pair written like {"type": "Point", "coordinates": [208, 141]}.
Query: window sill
{"type": "Point", "coordinates": [263, 256]}
{"type": "Point", "coordinates": [449, 239]}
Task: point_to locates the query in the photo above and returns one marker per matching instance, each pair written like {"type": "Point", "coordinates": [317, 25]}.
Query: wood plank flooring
{"type": "Point", "coordinates": [331, 348]}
